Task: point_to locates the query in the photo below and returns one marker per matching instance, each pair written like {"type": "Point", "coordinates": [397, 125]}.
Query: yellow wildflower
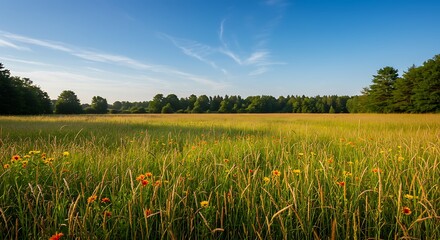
{"type": "Point", "coordinates": [410, 197]}
{"type": "Point", "coordinates": [266, 180]}
{"type": "Point", "coordinates": [204, 204]}
{"type": "Point", "coordinates": [66, 154]}
{"type": "Point", "coordinates": [297, 171]}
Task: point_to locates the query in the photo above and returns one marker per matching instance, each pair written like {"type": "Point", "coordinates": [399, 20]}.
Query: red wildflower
{"type": "Point", "coordinates": [144, 183]}
{"type": "Point", "coordinates": [56, 236]}
{"type": "Point", "coordinates": [107, 214]}
{"type": "Point", "coordinates": [406, 210]}
{"type": "Point", "coordinates": [105, 200]}
{"type": "Point", "coordinates": [342, 184]}
{"type": "Point", "coordinates": [148, 212]}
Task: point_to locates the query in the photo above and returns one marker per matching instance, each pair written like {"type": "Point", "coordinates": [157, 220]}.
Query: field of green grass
{"type": "Point", "coordinates": [220, 177]}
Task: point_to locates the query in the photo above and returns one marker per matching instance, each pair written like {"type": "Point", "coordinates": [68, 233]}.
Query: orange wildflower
{"type": "Point", "coordinates": [376, 170]}
{"type": "Point", "coordinates": [6, 166]}
{"type": "Point", "coordinates": [148, 174]}
{"type": "Point", "coordinates": [56, 236]}
{"type": "Point", "coordinates": [276, 173]}
{"type": "Point", "coordinates": [91, 198]}
{"type": "Point", "coordinates": [342, 184]}
{"type": "Point", "coordinates": [16, 157]}
{"type": "Point", "coordinates": [105, 200]}
{"type": "Point", "coordinates": [406, 210]}
{"type": "Point", "coordinates": [140, 177]}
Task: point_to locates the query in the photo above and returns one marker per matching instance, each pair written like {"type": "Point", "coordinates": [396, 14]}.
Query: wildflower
{"type": "Point", "coordinates": [34, 152]}
{"type": "Point", "coordinates": [15, 158]}
{"type": "Point", "coordinates": [6, 166]}
{"type": "Point", "coordinates": [26, 156]}
{"type": "Point", "coordinates": [330, 160]}
{"type": "Point", "coordinates": [400, 158]}
{"type": "Point", "coordinates": [300, 154]}
{"type": "Point", "coordinates": [148, 174]}
{"type": "Point", "coordinates": [204, 204]}
{"type": "Point", "coordinates": [107, 214]}
{"type": "Point", "coordinates": [56, 236]}
{"type": "Point", "coordinates": [346, 173]}
{"type": "Point", "coordinates": [91, 198]}
{"type": "Point", "coordinates": [105, 200]}
{"type": "Point", "coordinates": [25, 163]}
{"type": "Point", "coordinates": [266, 180]}
{"type": "Point", "coordinates": [226, 160]}
{"type": "Point", "coordinates": [406, 210]}
{"type": "Point", "coordinates": [297, 171]}
{"type": "Point", "coordinates": [342, 184]}
{"type": "Point", "coordinates": [157, 183]}
{"type": "Point", "coordinates": [410, 197]}
{"type": "Point", "coordinates": [144, 183]}
{"type": "Point", "coordinates": [66, 154]}
{"type": "Point", "coordinates": [251, 171]}
{"type": "Point", "coordinates": [148, 212]}
{"type": "Point", "coordinates": [376, 170]}
{"type": "Point", "coordinates": [350, 163]}
{"type": "Point", "coordinates": [140, 177]}
{"type": "Point", "coordinates": [276, 173]}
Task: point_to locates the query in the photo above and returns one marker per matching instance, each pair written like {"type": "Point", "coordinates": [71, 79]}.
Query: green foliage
{"type": "Point", "coordinates": [20, 96]}
{"type": "Point", "coordinates": [68, 103]}
{"type": "Point", "coordinates": [99, 104]}
{"type": "Point", "coordinates": [381, 91]}
{"type": "Point", "coordinates": [417, 91]}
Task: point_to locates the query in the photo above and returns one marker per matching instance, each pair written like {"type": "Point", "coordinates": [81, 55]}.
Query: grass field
{"type": "Point", "coordinates": [220, 177]}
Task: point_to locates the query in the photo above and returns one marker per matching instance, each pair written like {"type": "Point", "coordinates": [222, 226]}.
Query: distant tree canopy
{"type": "Point", "coordinates": [416, 91]}
{"type": "Point", "coordinates": [68, 103]}
{"type": "Point", "coordinates": [19, 96]}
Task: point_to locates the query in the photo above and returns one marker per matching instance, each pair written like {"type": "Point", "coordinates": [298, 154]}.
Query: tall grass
{"type": "Point", "coordinates": [221, 177]}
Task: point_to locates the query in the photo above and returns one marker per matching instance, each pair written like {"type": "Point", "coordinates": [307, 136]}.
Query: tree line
{"type": "Point", "coordinates": [416, 91]}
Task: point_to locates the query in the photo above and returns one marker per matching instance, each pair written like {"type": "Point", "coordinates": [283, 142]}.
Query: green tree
{"type": "Point", "coordinates": [174, 102]}
{"type": "Point", "coordinates": [167, 108]}
{"type": "Point", "coordinates": [68, 103]}
{"type": "Point", "coordinates": [201, 105]}
{"type": "Point", "coordinates": [426, 97]}
{"type": "Point", "coordinates": [380, 93]}
{"type": "Point", "coordinates": [156, 104]}
{"type": "Point", "coordinates": [99, 105]}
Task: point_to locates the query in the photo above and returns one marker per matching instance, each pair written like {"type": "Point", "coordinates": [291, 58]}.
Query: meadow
{"type": "Point", "coordinates": [272, 176]}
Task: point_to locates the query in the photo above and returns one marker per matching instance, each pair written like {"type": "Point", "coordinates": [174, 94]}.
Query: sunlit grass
{"type": "Point", "coordinates": [220, 176]}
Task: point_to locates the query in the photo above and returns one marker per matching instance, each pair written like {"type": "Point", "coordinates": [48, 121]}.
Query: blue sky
{"type": "Point", "coordinates": [131, 50]}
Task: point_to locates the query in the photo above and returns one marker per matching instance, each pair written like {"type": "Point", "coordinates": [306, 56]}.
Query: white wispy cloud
{"type": "Point", "coordinates": [193, 49]}
{"type": "Point", "coordinates": [33, 41]}
{"type": "Point", "coordinates": [24, 61]}
{"type": "Point", "coordinates": [107, 58]}
{"type": "Point", "coordinates": [4, 43]}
